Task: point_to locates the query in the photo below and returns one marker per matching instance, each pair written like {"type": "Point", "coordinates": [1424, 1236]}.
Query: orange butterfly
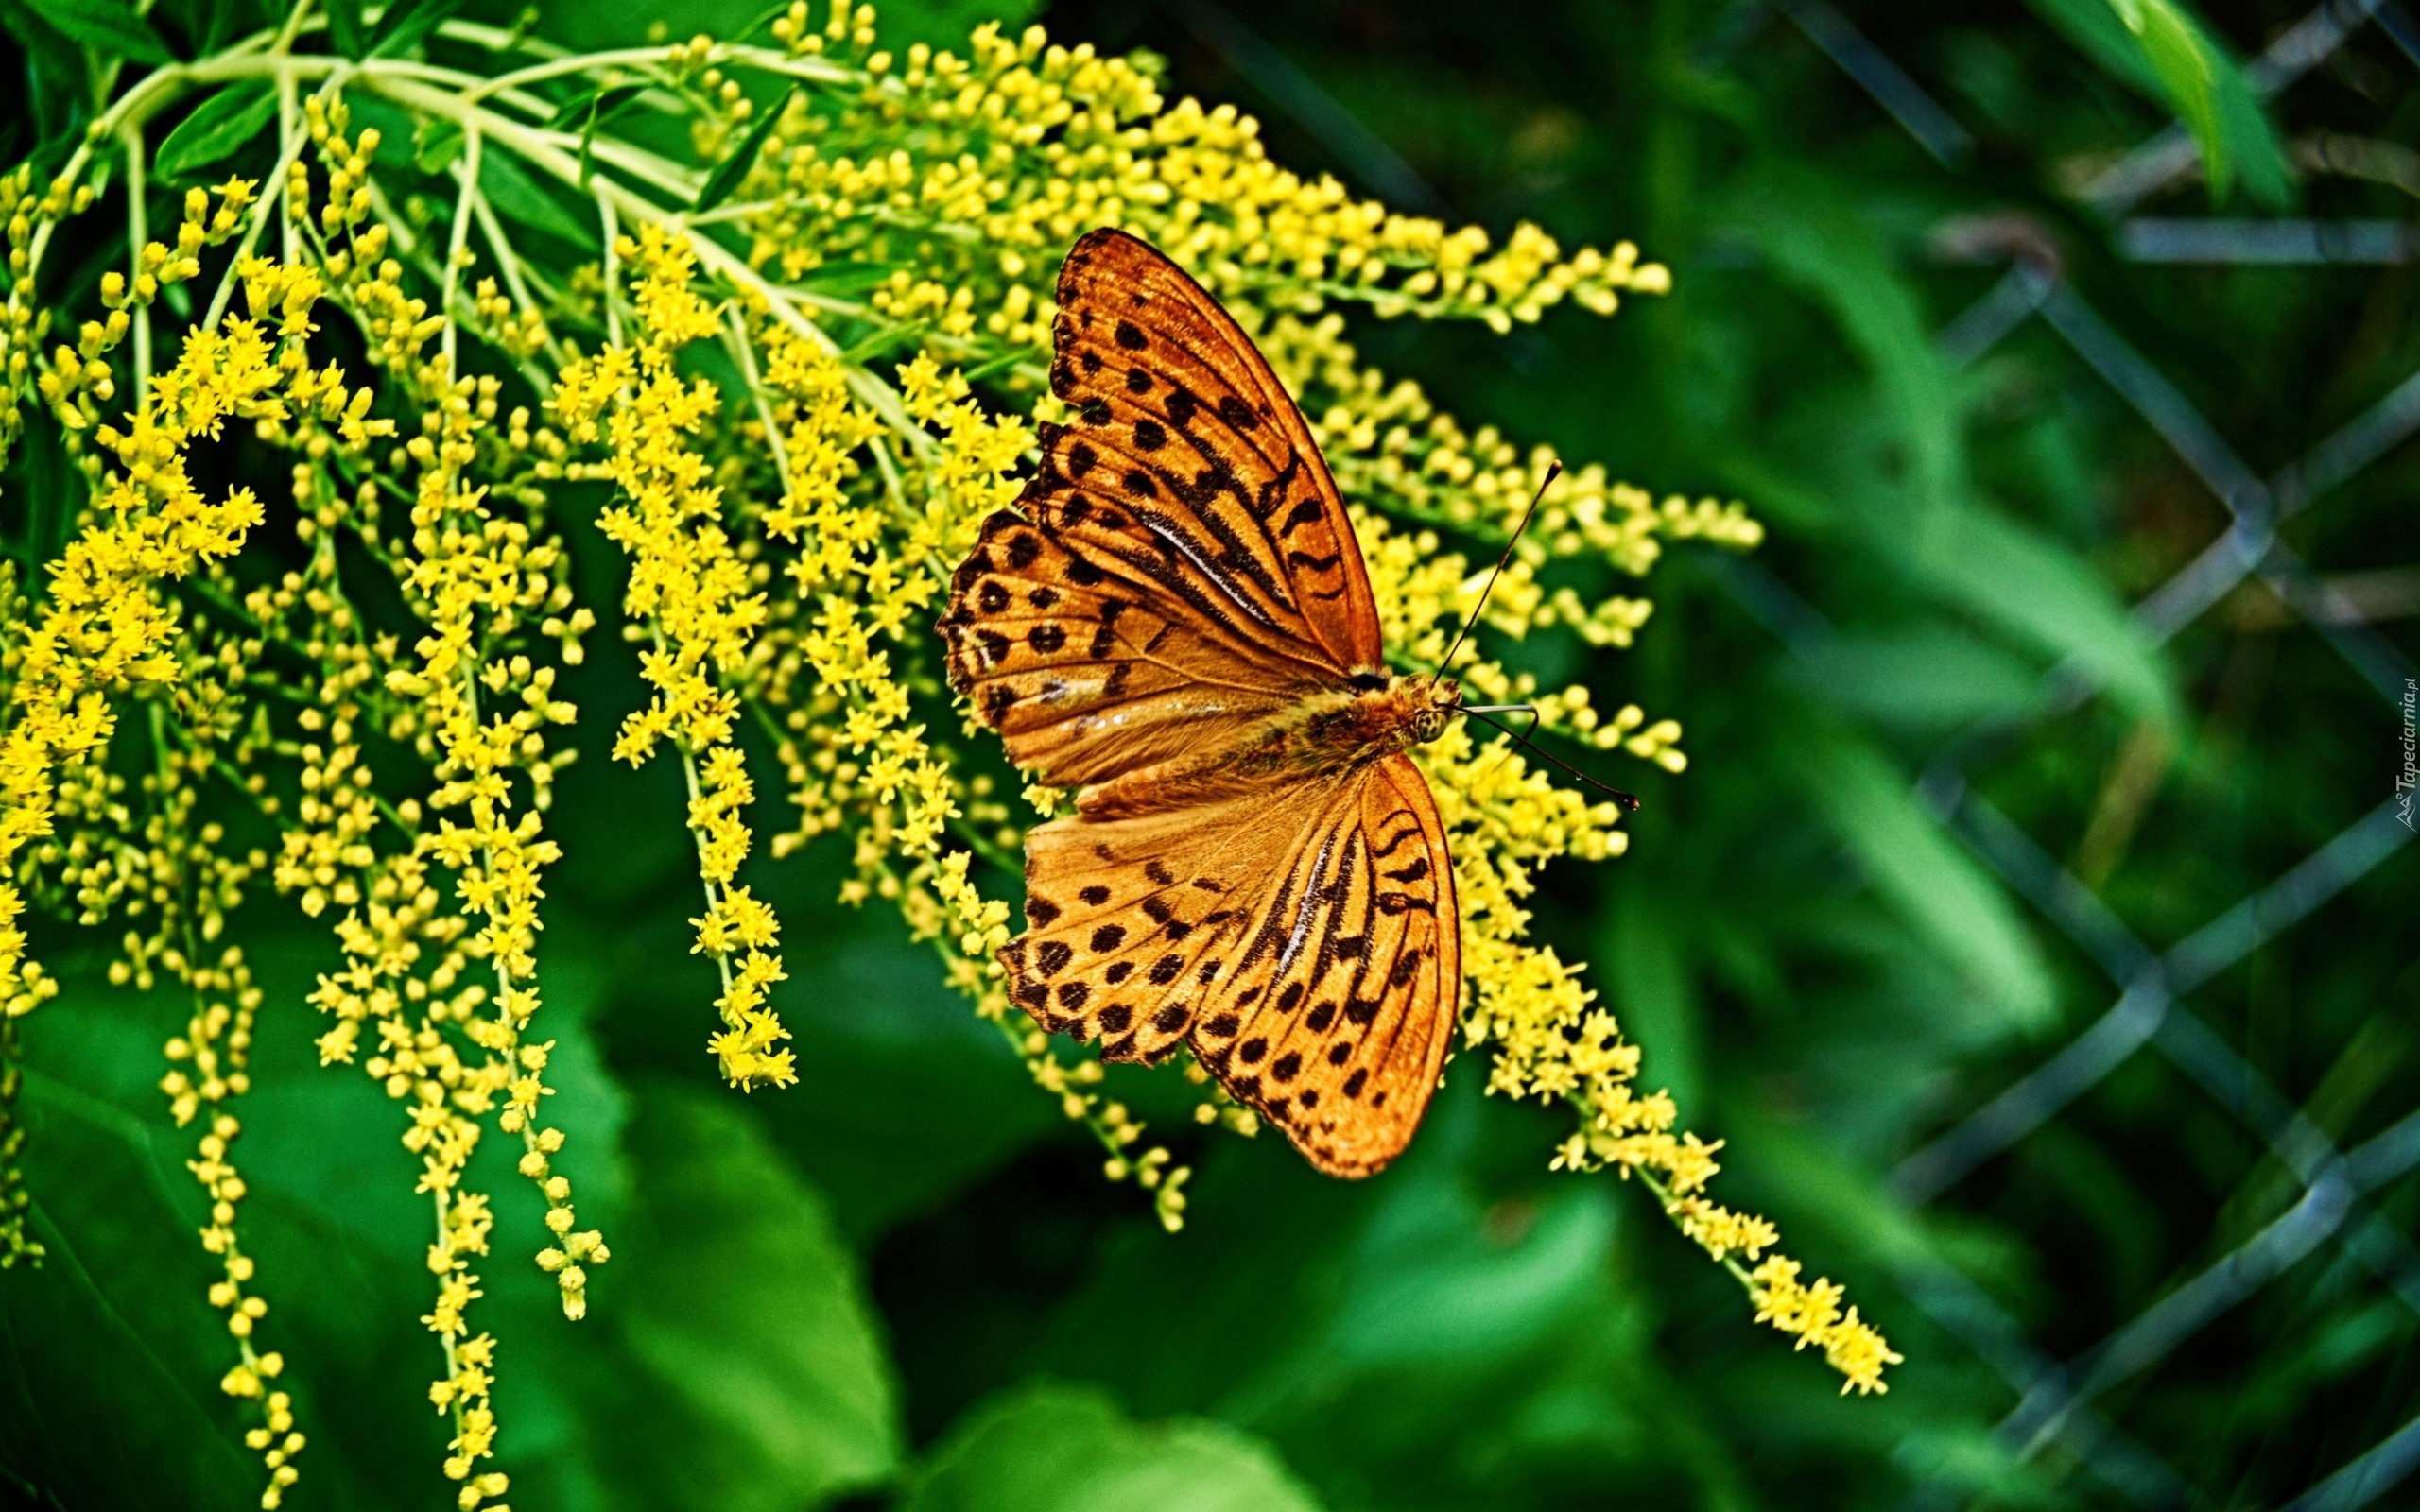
{"type": "Point", "coordinates": [1181, 626]}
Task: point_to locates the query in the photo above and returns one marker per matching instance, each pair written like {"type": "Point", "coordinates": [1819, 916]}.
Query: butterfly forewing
{"type": "Point", "coordinates": [1086, 674]}
{"type": "Point", "coordinates": [1179, 596]}
{"type": "Point", "coordinates": [1190, 462]}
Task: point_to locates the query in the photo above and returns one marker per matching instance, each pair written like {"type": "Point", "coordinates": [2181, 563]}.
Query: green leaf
{"type": "Point", "coordinates": [345, 27]}
{"type": "Point", "coordinates": [1814, 240]}
{"type": "Point", "coordinates": [1054, 1448]}
{"type": "Point", "coordinates": [1656, 996]}
{"type": "Point", "coordinates": [110, 27]}
{"type": "Point", "coordinates": [2044, 594]}
{"type": "Point", "coordinates": [519, 197]}
{"type": "Point", "coordinates": [595, 107]}
{"type": "Point", "coordinates": [222, 124]}
{"type": "Point", "coordinates": [1931, 678]}
{"type": "Point", "coordinates": [2183, 65]}
{"type": "Point", "coordinates": [734, 167]}
{"type": "Point", "coordinates": [769, 1386]}
{"type": "Point", "coordinates": [56, 80]}
{"type": "Point", "coordinates": [2160, 49]}
{"type": "Point", "coordinates": [408, 23]}
{"type": "Point", "coordinates": [112, 1328]}
{"type": "Point", "coordinates": [1926, 876]}
{"type": "Point", "coordinates": [436, 146]}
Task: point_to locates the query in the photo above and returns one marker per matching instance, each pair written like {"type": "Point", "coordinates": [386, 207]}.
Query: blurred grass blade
{"type": "Point", "coordinates": [2036, 590]}
{"type": "Point", "coordinates": [2167, 54]}
{"type": "Point", "coordinates": [1926, 877]}
{"type": "Point", "coordinates": [1929, 677]}
{"type": "Point", "coordinates": [728, 173]}
{"type": "Point", "coordinates": [1655, 995]}
{"type": "Point", "coordinates": [1816, 242]}
{"type": "Point", "coordinates": [221, 125]}
{"type": "Point", "coordinates": [2180, 62]}
{"type": "Point", "coordinates": [110, 27]}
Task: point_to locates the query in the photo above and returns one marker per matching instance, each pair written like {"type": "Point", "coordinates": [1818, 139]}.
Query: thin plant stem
{"type": "Point", "coordinates": [458, 245]}
{"type": "Point", "coordinates": [138, 235]}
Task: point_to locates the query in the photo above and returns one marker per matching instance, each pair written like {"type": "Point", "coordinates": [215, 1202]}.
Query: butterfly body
{"type": "Point", "coordinates": [1327, 730]}
{"type": "Point", "coordinates": [1177, 623]}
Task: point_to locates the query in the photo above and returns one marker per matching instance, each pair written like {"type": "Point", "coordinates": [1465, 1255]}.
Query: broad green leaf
{"type": "Point", "coordinates": [734, 167]}
{"type": "Point", "coordinates": [1370, 1330]}
{"type": "Point", "coordinates": [110, 27]}
{"type": "Point", "coordinates": [1053, 1448]}
{"type": "Point", "coordinates": [1926, 876]}
{"type": "Point", "coordinates": [112, 1329]}
{"type": "Point", "coordinates": [767, 1382]}
{"type": "Point", "coordinates": [345, 29]}
{"type": "Point", "coordinates": [222, 124]}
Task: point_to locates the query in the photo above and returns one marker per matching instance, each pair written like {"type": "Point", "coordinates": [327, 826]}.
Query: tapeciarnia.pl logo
{"type": "Point", "coordinates": [2408, 780]}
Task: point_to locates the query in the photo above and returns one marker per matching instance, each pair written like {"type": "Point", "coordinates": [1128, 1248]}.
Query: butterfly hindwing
{"type": "Point", "coordinates": [1131, 923]}
{"type": "Point", "coordinates": [1306, 943]}
{"type": "Point", "coordinates": [1340, 1007]}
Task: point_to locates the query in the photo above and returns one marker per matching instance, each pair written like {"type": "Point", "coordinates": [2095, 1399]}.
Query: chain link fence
{"type": "Point", "coordinates": [2059, 1401]}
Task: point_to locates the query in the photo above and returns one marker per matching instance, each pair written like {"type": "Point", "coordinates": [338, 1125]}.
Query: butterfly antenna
{"type": "Point", "coordinates": [1628, 801]}
{"type": "Point", "coordinates": [1554, 470]}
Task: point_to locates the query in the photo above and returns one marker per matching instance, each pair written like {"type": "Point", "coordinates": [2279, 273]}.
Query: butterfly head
{"type": "Point", "coordinates": [1434, 701]}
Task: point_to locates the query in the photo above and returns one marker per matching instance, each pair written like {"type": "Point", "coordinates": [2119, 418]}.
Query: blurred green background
{"type": "Point", "coordinates": [1993, 371]}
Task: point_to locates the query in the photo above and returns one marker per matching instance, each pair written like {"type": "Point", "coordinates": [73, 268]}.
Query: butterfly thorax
{"type": "Point", "coordinates": [1328, 729]}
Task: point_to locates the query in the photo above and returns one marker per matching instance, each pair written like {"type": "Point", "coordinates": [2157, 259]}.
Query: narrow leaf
{"type": "Point", "coordinates": [218, 125]}
{"type": "Point", "coordinates": [597, 104]}
{"type": "Point", "coordinates": [2247, 143]}
{"type": "Point", "coordinates": [1926, 877]}
{"type": "Point", "coordinates": [408, 23]}
{"type": "Point", "coordinates": [345, 27]}
{"type": "Point", "coordinates": [519, 197]}
{"type": "Point", "coordinates": [728, 173]}
{"type": "Point", "coordinates": [436, 144]}
{"type": "Point", "coordinates": [107, 26]}
{"type": "Point", "coordinates": [2183, 65]}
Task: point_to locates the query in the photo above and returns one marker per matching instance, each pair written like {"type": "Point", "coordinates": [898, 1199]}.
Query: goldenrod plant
{"type": "Point", "coordinates": [771, 313]}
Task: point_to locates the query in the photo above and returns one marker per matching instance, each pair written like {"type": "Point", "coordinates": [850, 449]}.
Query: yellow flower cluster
{"type": "Point", "coordinates": [694, 602]}
{"type": "Point", "coordinates": [990, 163]}
{"type": "Point", "coordinates": [1548, 1037]}
{"type": "Point", "coordinates": [373, 726]}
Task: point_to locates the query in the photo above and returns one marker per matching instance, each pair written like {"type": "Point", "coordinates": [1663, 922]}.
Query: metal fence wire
{"type": "Point", "coordinates": [2057, 1399]}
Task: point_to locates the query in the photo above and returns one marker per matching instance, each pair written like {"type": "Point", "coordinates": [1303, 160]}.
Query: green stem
{"type": "Point", "coordinates": [138, 234]}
